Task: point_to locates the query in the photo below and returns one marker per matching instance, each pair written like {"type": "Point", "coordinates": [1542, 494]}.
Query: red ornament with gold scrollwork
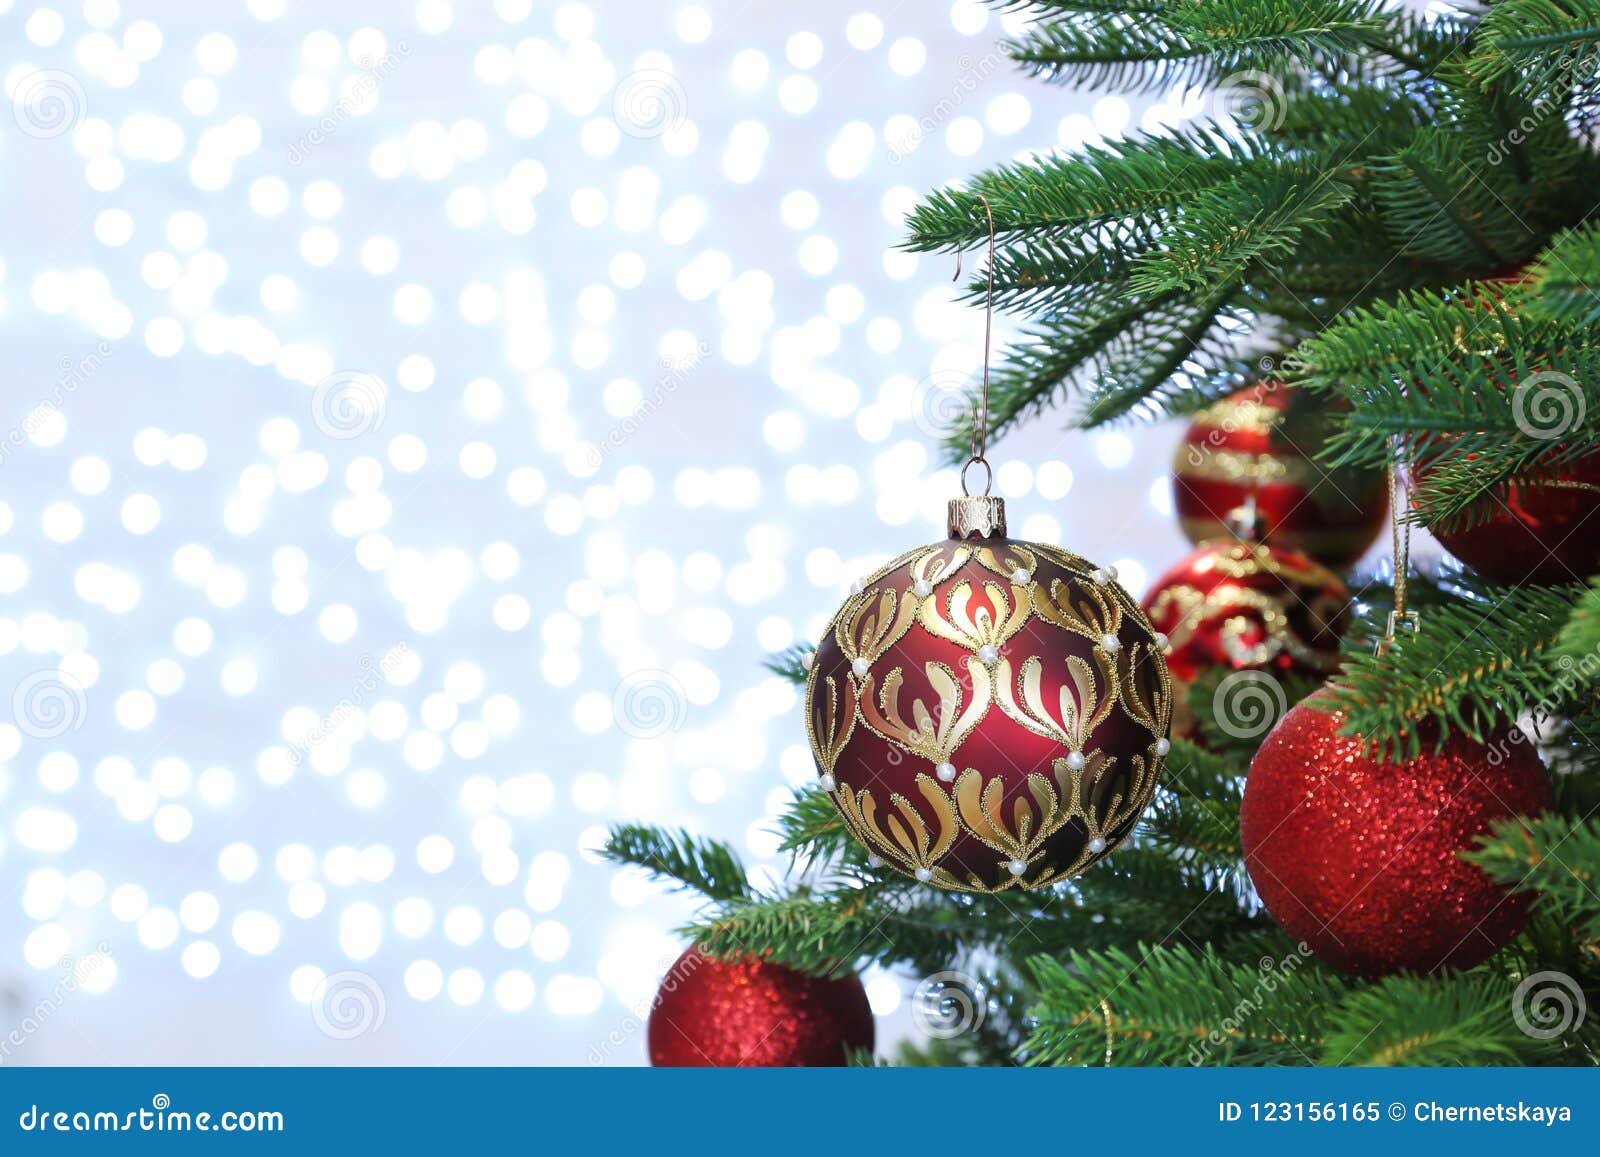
{"type": "Point", "coordinates": [989, 714]}
{"type": "Point", "coordinates": [1248, 606]}
{"type": "Point", "coordinates": [1260, 443]}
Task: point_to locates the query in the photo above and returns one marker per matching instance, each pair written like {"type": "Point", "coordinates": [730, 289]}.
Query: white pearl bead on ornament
{"type": "Point", "coordinates": [1075, 760]}
{"type": "Point", "coordinates": [1100, 574]}
{"type": "Point", "coordinates": [859, 668]}
{"type": "Point", "coordinates": [988, 654]}
{"type": "Point", "coordinates": [923, 588]}
{"type": "Point", "coordinates": [1162, 640]}
{"type": "Point", "coordinates": [827, 783]}
{"type": "Point", "coordinates": [1017, 867]}
{"type": "Point", "coordinates": [1163, 746]}
{"type": "Point", "coordinates": [945, 771]}
{"type": "Point", "coordinates": [1111, 643]}
{"type": "Point", "coordinates": [1097, 845]}
{"type": "Point", "coordinates": [1022, 576]}
{"type": "Point", "coordinates": [924, 874]}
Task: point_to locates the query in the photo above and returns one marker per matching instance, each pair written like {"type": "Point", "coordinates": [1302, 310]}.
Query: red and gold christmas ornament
{"type": "Point", "coordinates": [1260, 442]}
{"type": "Point", "coordinates": [989, 714]}
{"type": "Point", "coordinates": [1248, 606]}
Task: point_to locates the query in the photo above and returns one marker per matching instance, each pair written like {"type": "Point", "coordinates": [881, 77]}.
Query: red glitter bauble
{"type": "Point", "coordinates": [1247, 607]}
{"type": "Point", "coordinates": [1260, 443]}
{"type": "Point", "coordinates": [1356, 855]}
{"type": "Point", "coordinates": [1547, 533]}
{"type": "Point", "coordinates": [751, 1014]}
{"type": "Point", "coordinates": [989, 714]}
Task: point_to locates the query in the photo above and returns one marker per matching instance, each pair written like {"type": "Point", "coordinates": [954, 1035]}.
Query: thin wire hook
{"type": "Point", "coordinates": [980, 444]}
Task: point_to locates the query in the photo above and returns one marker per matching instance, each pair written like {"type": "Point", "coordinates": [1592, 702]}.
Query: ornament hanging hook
{"type": "Point", "coordinates": [980, 417]}
{"type": "Point", "coordinates": [1400, 539]}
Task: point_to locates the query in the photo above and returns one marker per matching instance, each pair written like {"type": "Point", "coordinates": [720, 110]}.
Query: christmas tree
{"type": "Point", "coordinates": [1388, 211]}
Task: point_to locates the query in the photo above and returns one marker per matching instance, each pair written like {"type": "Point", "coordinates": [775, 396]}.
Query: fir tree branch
{"type": "Point", "coordinates": [1556, 856]}
{"type": "Point", "coordinates": [1224, 230]}
{"type": "Point", "coordinates": [1568, 275]}
{"type": "Point", "coordinates": [792, 663]}
{"type": "Point", "coordinates": [1167, 1006]}
{"type": "Point", "coordinates": [1195, 817]}
{"type": "Point", "coordinates": [1197, 41]}
{"type": "Point", "coordinates": [1479, 659]}
{"type": "Point", "coordinates": [1542, 46]}
{"type": "Point", "coordinates": [706, 866]}
{"type": "Point", "coordinates": [1453, 1020]}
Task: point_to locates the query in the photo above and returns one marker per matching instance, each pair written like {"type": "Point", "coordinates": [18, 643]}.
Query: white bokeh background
{"type": "Point", "coordinates": [396, 392]}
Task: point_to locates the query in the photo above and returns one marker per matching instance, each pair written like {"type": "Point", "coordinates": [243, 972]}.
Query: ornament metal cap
{"type": "Point", "coordinates": [977, 516]}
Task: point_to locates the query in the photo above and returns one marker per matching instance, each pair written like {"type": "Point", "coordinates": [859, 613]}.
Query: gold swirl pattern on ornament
{"type": "Point", "coordinates": [1240, 415]}
{"type": "Point", "coordinates": [1086, 611]}
{"type": "Point", "coordinates": [830, 729]}
{"type": "Point", "coordinates": [1197, 610]}
{"type": "Point", "coordinates": [976, 628]}
{"type": "Point", "coordinates": [1248, 561]}
{"type": "Point", "coordinates": [907, 840]}
{"type": "Point", "coordinates": [1243, 466]}
{"type": "Point", "coordinates": [874, 621]}
{"type": "Point", "coordinates": [923, 737]}
{"type": "Point", "coordinates": [914, 837]}
{"type": "Point", "coordinates": [1081, 707]}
